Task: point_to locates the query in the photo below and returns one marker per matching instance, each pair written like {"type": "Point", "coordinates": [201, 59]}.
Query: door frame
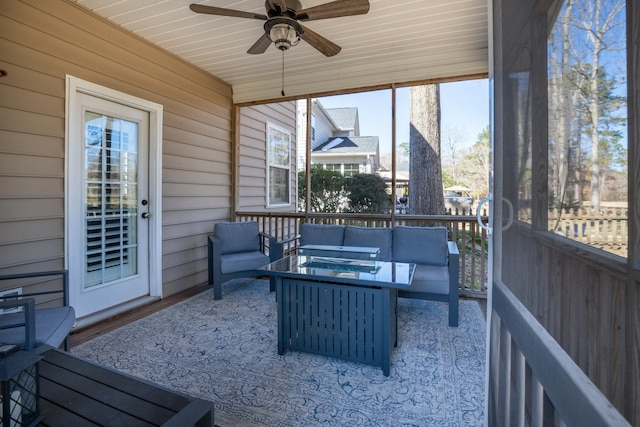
{"type": "Point", "coordinates": [74, 86]}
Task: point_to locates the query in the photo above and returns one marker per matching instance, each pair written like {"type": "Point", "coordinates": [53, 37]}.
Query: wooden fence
{"type": "Point", "coordinates": [463, 229]}
{"type": "Point", "coordinates": [608, 230]}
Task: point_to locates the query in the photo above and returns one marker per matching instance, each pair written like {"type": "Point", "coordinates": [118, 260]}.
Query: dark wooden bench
{"type": "Point", "coordinates": [77, 392]}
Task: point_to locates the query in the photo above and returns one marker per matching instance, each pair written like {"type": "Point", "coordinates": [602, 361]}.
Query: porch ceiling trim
{"type": "Point", "coordinates": [396, 42]}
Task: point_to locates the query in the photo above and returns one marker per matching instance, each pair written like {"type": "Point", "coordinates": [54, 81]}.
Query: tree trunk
{"type": "Point", "coordinates": [594, 113]}
{"type": "Point", "coordinates": [425, 169]}
{"type": "Point", "coordinates": [566, 108]}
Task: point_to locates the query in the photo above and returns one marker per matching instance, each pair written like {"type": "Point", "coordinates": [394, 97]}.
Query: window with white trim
{"type": "Point", "coordinates": [278, 165]}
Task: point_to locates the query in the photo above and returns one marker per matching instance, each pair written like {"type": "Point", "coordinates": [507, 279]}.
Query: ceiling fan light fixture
{"type": "Point", "coordinates": [283, 32]}
{"type": "Point", "coordinates": [284, 36]}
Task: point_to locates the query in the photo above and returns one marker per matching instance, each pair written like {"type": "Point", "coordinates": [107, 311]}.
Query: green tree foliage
{"type": "Point", "coordinates": [367, 193]}
{"type": "Point", "coordinates": [404, 149]}
{"type": "Point", "coordinates": [328, 192]}
{"type": "Point", "coordinates": [613, 154]}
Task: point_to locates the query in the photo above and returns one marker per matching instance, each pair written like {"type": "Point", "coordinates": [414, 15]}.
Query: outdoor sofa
{"type": "Point", "coordinates": [437, 259]}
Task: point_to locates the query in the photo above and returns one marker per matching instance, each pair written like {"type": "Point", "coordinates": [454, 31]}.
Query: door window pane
{"type": "Point", "coordinates": [110, 198]}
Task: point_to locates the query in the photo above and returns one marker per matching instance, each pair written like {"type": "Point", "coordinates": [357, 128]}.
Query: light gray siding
{"type": "Point", "coordinates": [252, 146]}
{"type": "Point", "coordinates": [324, 129]}
{"type": "Point", "coordinates": [43, 41]}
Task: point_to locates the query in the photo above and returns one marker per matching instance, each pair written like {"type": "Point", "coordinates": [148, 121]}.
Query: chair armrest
{"type": "Point", "coordinates": [452, 248]}
{"type": "Point", "coordinates": [65, 283]}
{"type": "Point", "coordinates": [29, 322]}
{"type": "Point", "coordinates": [454, 282]}
{"type": "Point", "coordinates": [454, 266]}
{"type": "Point", "coordinates": [214, 245]}
{"type": "Point", "coordinates": [278, 247]}
{"type": "Point", "coordinates": [265, 241]}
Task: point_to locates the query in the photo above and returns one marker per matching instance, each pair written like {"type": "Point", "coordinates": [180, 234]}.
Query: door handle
{"type": "Point", "coordinates": [487, 228]}
{"type": "Point", "coordinates": [145, 215]}
{"type": "Point", "coordinates": [509, 210]}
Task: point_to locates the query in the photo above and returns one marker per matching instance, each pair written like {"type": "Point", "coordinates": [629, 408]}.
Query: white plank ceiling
{"type": "Point", "coordinates": [396, 42]}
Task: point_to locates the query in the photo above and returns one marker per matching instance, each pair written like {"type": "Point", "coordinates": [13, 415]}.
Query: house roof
{"type": "Point", "coordinates": [395, 42]}
{"type": "Point", "coordinates": [352, 145]}
{"type": "Point", "coordinates": [345, 118]}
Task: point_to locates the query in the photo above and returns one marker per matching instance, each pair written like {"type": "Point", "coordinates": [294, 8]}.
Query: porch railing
{"type": "Point", "coordinates": [463, 229]}
{"type": "Point", "coordinates": [534, 382]}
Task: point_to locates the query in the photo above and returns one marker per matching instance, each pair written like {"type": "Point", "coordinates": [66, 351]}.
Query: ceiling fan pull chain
{"type": "Point", "coordinates": [282, 73]}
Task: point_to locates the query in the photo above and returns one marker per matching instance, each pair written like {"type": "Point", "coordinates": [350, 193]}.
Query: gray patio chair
{"type": "Point", "coordinates": [32, 326]}
{"type": "Point", "coordinates": [237, 249]}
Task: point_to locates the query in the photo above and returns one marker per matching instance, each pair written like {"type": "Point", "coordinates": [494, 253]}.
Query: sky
{"type": "Point", "coordinates": [464, 109]}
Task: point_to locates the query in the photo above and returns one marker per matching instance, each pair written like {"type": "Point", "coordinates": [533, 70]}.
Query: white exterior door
{"type": "Point", "coordinates": [109, 203]}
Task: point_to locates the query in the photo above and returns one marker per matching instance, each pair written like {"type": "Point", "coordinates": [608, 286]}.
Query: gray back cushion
{"type": "Point", "coordinates": [321, 234]}
{"type": "Point", "coordinates": [238, 236]}
{"type": "Point", "coordinates": [377, 237]}
{"type": "Point", "coordinates": [420, 245]}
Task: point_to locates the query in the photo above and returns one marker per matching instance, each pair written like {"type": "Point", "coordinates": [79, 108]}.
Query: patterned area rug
{"type": "Point", "coordinates": [225, 351]}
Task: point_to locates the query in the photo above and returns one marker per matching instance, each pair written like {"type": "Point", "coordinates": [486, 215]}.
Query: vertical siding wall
{"type": "Point", "coordinates": [579, 298]}
{"type": "Point", "coordinates": [41, 42]}
{"type": "Point", "coordinates": [252, 154]}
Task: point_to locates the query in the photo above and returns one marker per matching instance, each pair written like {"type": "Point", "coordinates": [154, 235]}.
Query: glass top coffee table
{"type": "Point", "coordinates": [339, 307]}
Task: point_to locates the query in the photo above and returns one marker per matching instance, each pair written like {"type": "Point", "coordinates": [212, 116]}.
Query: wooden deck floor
{"type": "Point", "coordinates": [85, 334]}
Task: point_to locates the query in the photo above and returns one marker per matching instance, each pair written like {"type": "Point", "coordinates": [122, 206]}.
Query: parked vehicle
{"type": "Point", "coordinates": [458, 197]}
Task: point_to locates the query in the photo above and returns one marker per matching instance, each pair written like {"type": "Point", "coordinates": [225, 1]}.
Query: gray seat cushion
{"type": "Point", "coordinates": [238, 236]}
{"type": "Point", "coordinates": [430, 279]}
{"type": "Point", "coordinates": [321, 234]}
{"type": "Point", "coordinates": [420, 245]}
{"type": "Point", "coordinates": [370, 237]}
{"type": "Point", "coordinates": [242, 261]}
{"type": "Point", "coordinates": [52, 326]}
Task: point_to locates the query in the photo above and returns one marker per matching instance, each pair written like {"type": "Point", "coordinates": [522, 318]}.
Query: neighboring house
{"type": "Point", "coordinates": [336, 143]}
{"type": "Point", "coordinates": [348, 155]}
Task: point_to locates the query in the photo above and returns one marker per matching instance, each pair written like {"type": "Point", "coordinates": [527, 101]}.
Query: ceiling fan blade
{"type": "Point", "coordinates": [335, 9]}
{"type": "Point", "coordinates": [323, 45]}
{"type": "Point", "coordinates": [212, 10]}
{"type": "Point", "coordinates": [261, 45]}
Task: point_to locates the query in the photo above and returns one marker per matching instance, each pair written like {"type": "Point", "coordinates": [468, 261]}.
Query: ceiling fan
{"type": "Point", "coordinates": [282, 27]}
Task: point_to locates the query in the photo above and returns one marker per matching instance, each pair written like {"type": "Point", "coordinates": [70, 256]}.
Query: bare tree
{"type": "Point", "coordinates": [561, 97]}
{"type": "Point", "coordinates": [597, 19]}
{"type": "Point", "coordinates": [477, 164]}
{"type": "Point", "coordinates": [452, 153]}
{"type": "Point", "coordinates": [425, 185]}
{"type": "Point", "coordinates": [583, 122]}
